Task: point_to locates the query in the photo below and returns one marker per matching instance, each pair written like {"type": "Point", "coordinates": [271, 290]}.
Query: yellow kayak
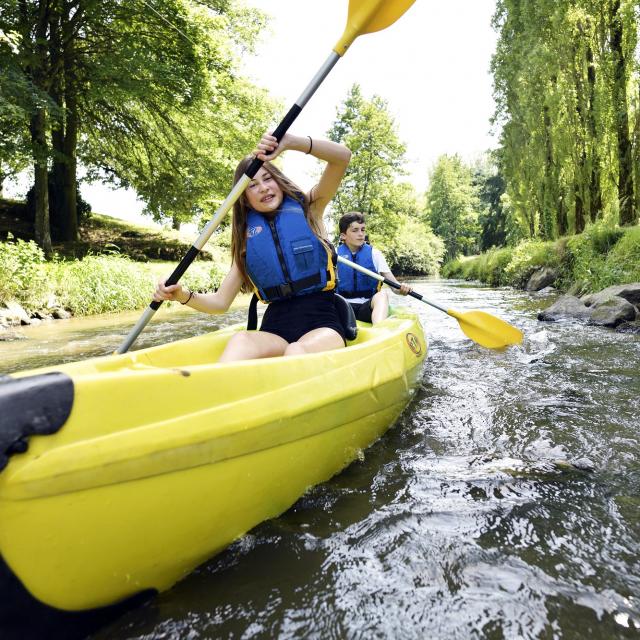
{"type": "Point", "coordinates": [141, 466]}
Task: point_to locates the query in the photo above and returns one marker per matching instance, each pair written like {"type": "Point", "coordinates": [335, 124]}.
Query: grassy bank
{"type": "Point", "coordinates": [588, 262]}
{"type": "Point", "coordinates": [116, 272]}
{"type": "Point", "coordinates": [99, 234]}
{"type": "Point", "coordinates": [96, 284]}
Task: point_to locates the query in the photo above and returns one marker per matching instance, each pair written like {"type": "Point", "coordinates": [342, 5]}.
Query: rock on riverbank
{"type": "Point", "coordinates": [13, 314]}
{"type": "Point", "coordinates": [615, 307]}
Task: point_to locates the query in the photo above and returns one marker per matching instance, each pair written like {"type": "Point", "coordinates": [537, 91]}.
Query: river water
{"type": "Point", "coordinates": [505, 502]}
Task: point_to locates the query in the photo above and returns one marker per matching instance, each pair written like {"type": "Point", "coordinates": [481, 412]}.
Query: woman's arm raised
{"type": "Point", "coordinates": [336, 156]}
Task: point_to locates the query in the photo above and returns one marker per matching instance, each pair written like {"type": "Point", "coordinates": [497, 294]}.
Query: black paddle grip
{"type": "Point", "coordinates": [281, 129]}
{"type": "Point", "coordinates": [395, 285]}
{"type": "Point", "coordinates": [178, 272]}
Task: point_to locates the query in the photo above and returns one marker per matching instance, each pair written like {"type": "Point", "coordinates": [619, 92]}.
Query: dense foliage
{"type": "Point", "coordinates": [22, 273]}
{"type": "Point", "coordinates": [141, 94]}
{"type": "Point", "coordinates": [452, 206]}
{"type": "Point", "coordinates": [95, 284]}
{"type": "Point", "coordinates": [413, 248]}
{"type": "Point", "coordinates": [567, 89]}
{"type": "Point", "coordinates": [102, 284]}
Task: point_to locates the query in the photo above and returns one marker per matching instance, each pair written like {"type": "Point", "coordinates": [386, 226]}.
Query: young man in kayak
{"type": "Point", "coordinates": [369, 302]}
{"type": "Point", "coordinates": [281, 251]}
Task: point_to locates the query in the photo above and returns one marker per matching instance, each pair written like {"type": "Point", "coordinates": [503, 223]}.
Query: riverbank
{"type": "Point", "coordinates": [116, 270]}
{"type": "Point", "coordinates": [600, 257]}
{"type": "Point", "coordinates": [99, 234]}
{"type": "Point", "coordinates": [598, 271]}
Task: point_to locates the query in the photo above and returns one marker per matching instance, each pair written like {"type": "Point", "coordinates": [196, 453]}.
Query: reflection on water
{"type": "Point", "coordinates": [467, 520]}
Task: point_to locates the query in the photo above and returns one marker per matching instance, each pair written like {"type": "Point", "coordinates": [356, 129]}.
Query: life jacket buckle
{"type": "Point", "coordinates": [285, 290]}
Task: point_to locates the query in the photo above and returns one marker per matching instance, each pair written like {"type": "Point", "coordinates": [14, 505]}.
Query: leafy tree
{"type": "Point", "coordinates": [181, 161]}
{"type": "Point", "coordinates": [490, 187]}
{"type": "Point", "coordinates": [566, 85]}
{"type": "Point", "coordinates": [623, 27]}
{"type": "Point", "coordinates": [413, 248]}
{"type": "Point", "coordinates": [141, 93]}
{"type": "Point", "coordinates": [14, 111]}
{"type": "Point", "coordinates": [452, 206]}
{"type": "Point", "coordinates": [367, 128]}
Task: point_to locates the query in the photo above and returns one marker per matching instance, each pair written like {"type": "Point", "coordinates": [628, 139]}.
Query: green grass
{"type": "Point", "coordinates": [23, 274]}
{"type": "Point", "coordinates": [116, 268]}
{"type": "Point", "coordinates": [600, 257]}
{"type": "Point", "coordinates": [102, 284]}
{"type": "Point", "coordinates": [95, 284]}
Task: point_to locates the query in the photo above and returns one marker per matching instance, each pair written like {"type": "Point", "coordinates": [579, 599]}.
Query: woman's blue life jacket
{"type": "Point", "coordinates": [352, 283]}
{"type": "Point", "coordinates": [284, 256]}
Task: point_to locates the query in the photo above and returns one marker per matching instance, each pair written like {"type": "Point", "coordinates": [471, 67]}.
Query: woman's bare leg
{"type": "Point", "coordinates": [249, 345]}
{"type": "Point", "coordinates": [323, 339]}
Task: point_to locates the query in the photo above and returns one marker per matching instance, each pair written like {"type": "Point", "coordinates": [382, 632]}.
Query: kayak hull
{"type": "Point", "coordinates": [162, 464]}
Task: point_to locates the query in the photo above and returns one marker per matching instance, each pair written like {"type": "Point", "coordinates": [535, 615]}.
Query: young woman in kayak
{"type": "Point", "coordinates": [280, 250]}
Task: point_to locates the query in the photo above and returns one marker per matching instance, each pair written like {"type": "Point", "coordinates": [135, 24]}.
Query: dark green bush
{"type": "Point", "coordinates": [412, 249]}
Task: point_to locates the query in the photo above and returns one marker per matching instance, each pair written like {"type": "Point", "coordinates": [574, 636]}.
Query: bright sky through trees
{"type": "Point", "coordinates": [432, 67]}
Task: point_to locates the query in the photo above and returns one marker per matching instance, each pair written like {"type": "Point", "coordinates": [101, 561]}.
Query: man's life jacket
{"type": "Point", "coordinates": [352, 283]}
{"type": "Point", "coordinates": [284, 257]}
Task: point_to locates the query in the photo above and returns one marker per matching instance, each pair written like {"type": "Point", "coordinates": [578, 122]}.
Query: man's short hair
{"type": "Point", "coordinates": [346, 220]}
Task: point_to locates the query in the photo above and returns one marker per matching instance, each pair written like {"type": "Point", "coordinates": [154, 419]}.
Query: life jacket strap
{"type": "Point", "coordinates": [289, 289]}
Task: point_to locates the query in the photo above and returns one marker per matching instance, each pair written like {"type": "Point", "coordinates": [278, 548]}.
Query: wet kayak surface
{"type": "Point", "coordinates": [505, 503]}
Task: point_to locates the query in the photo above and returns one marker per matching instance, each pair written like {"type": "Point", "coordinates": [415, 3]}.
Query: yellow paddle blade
{"type": "Point", "coordinates": [487, 330]}
{"type": "Point", "coordinates": [367, 16]}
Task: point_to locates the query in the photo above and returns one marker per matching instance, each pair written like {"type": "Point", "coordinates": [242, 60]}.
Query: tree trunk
{"type": "Point", "coordinates": [620, 105]}
{"type": "Point", "coordinates": [70, 183]}
{"type": "Point", "coordinates": [37, 69]}
{"type": "Point", "coordinates": [595, 189]}
{"type": "Point", "coordinates": [636, 155]}
{"type": "Point", "coordinates": [548, 202]}
{"type": "Point", "coordinates": [580, 181]}
{"type": "Point", "coordinates": [70, 180]}
{"type": "Point", "coordinates": [175, 223]}
{"type": "Point", "coordinates": [579, 205]}
{"type": "Point", "coordinates": [56, 193]}
{"type": "Point", "coordinates": [65, 136]}
{"type": "Point", "coordinates": [40, 182]}
{"type": "Point", "coordinates": [563, 225]}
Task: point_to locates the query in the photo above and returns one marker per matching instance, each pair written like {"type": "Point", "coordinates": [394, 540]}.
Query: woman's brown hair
{"type": "Point", "coordinates": [241, 208]}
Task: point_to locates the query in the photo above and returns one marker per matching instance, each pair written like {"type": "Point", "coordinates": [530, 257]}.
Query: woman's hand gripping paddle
{"type": "Point", "coordinates": [481, 327]}
{"type": "Point", "coordinates": [365, 16]}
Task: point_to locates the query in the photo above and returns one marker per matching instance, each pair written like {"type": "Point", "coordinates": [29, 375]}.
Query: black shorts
{"type": "Point", "coordinates": [362, 310]}
{"type": "Point", "coordinates": [292, 318]}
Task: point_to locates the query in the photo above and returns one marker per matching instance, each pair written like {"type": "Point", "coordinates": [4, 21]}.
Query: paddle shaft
{"type": "Point", "coordinates": [391, 283]}
{"type": "Point", "coordinates": [229, 201]}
